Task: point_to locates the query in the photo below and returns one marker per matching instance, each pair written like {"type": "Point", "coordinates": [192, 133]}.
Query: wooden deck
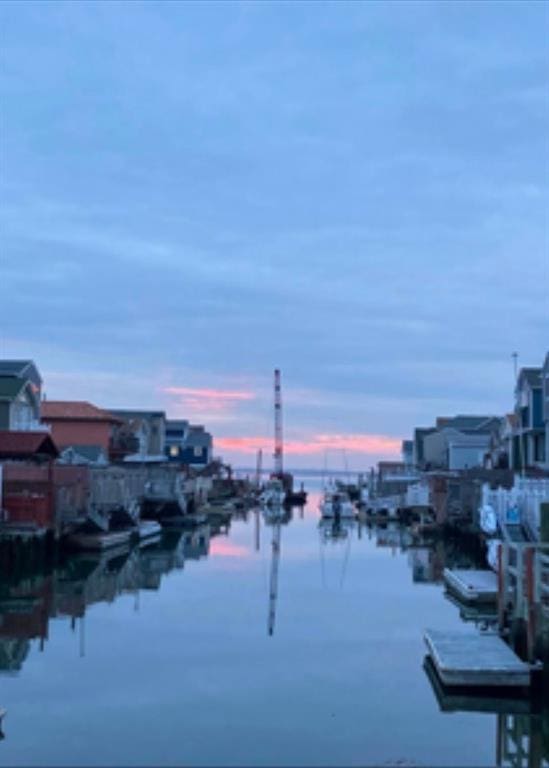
{"type": "Point", "coordinates": [472, 586]}
{"type": "Point", "coordinates": [475, 659]}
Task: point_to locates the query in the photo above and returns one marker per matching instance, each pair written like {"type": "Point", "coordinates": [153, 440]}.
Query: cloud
{"type": "Point", "coordinates": [316, 444]}
{"type": "Point", "coordinates": [205, 402]}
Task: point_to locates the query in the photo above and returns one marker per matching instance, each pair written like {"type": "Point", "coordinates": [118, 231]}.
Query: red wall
{"type": "Point", "coordinates": [66, 433]}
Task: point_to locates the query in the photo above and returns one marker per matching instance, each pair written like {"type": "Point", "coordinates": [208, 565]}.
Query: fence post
{"type": "Point", "coordinates": [530, 604]}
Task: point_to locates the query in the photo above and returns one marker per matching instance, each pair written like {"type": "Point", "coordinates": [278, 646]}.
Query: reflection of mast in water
{"type": "Point", "coordinates": [273, 587]}
{"type": "Point", "coordinates": [257, 527]}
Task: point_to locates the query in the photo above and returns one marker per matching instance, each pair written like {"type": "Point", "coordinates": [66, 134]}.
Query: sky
{"type": "Point", "coordinates": [192, 194]}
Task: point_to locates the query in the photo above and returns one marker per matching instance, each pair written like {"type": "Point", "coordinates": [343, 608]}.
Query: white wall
{"type": "Point", "coordinates": [465, 456]}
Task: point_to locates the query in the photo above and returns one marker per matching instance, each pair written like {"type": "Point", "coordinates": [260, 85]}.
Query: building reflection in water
{"type": "Point", "coordinates": [32, 593]}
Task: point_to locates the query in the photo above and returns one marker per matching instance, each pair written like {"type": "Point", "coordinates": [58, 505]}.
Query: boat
{"type": "Point", "coordinates": [273, 494]}
{"type": "Point", "coordinates": [148, 528]}
{"type": "Point", "coordinates": [330, 530]}
{"type": "Point", "coordinates": [296, 498]}
{"type": "Point", "coordinates": [99, 540]}
{"type": "Point", "coordinates": [336, 504]}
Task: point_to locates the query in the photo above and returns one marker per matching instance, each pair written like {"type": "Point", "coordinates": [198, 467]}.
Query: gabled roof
{"type": "Point", "coordinates": [10, 387]}
{"type": "Point", "coordinates": [23, 445]}
{"type": "Point", "coordinates": [18, 368]}
{"type": "Point", "coordinates": [531, 375]}
{"type": "Point", "coordinates": [74, 410]}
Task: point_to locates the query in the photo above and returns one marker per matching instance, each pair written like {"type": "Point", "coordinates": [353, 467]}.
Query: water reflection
{"type": "Point", "coordinates": [30, 597]}
{"type": "Point", "coordinates": [267, 599]}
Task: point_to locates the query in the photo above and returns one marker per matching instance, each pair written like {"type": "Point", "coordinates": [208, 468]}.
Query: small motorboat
{"type": "Point", "coordinates": [148, 528]}
{"type": "Point", "coordinates": [336, 504]}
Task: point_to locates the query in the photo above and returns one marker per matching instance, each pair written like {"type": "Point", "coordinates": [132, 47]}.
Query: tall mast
{"type": "Point", "coordinates": [278, 465]}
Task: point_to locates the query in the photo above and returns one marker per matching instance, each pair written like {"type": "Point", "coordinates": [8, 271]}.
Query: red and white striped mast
{"type": "Point", "coordinates": [278, 463]}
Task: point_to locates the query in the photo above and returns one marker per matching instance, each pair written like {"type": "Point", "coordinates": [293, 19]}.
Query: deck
{"type": "Point", "coordinates": [475, 660]}
{"type": "Point", "coordinates": [472, 586]}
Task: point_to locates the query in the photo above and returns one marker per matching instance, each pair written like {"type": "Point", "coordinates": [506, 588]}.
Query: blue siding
{"type": "Point", "coordinates": [537, 409]}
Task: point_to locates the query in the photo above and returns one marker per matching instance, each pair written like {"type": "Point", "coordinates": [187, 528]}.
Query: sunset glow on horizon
{"type": "Point", "coordinates": [316, 444]}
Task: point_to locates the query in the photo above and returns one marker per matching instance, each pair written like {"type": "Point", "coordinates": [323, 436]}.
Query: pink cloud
{"type": "Point", "coordinates": [316, 444]}
{"type": "Point", "coordinates": [198, 400]}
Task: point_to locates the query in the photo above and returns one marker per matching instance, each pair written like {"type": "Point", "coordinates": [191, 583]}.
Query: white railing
{"type": "Point", "coordinates": [520, 504]}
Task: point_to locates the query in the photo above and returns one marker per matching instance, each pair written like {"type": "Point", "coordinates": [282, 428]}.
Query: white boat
{"type": "Point", "coordinates": [100, 540]}
{"type": "Point", "coordinates": [273, 494]}
{"type": "Point", "coordinates": [148, 528]}
{"type": "Point", "coordinates": [336, 504]}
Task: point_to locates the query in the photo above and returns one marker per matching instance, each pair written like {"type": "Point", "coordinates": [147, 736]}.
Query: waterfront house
{"type": "Point", "coordinates": [79, 423]}
{"type": "Point", "coordinates": [188, 444]}
{"type": "Point", "coordinates": [420, 433]}
{"type": "Point", "coordinates": [407, 453]}
{"type": "Point", "coordinates": [500, 449]}
{"type": "Point", "coordinates": [26, 495]}
{"type": "Point", "coordinates": [138, 432]}
{"type": "Point", "coordinates": [460, 442]}
{"type": "Point", "coordinates": [530, 428]}
{"type": "Point", "coordinates": [20, 393]}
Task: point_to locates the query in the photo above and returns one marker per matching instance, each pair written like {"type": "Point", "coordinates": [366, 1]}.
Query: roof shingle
{"type": "Point", "coordinates": [74, 410]}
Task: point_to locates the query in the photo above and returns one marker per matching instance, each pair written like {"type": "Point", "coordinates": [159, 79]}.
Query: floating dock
{"type": "Point", "coordinates": [469, 660]}
{"type": "Point", "coordinates": [472, 586]}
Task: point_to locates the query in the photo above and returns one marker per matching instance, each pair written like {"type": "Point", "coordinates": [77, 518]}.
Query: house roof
{"type": "Point", "coordinates": [21, 445]}
{"type": "Point", "coordinates": [531, 375]}
{"type": "Point", "coordinates": [74, 410]}
{"type": "Point", "coordinates": [10, 387]}
{"type": "Point", "coordinates": [465, 423]}
{"type": "Point", "coordinates": [18, 368]}
{"type": "Point", "coordinates": [128, 414]}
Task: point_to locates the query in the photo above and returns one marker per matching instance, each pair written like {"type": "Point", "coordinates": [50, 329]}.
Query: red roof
{"type": "Point", "coordinates": [15, 445]}
{"type": "Point", "coordinates": [74, 410]}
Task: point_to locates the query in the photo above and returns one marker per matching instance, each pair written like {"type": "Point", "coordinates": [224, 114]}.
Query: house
{"type": "Point", "coordinates": [138, 432]}
{"type": "Point", "coordinates": [460, 442]}
{"type": "Point", "coordinates": [20, 393]}
{"type": "Point", "coordinates": [79, 423]}
{"type": "Point", "coordinates": [31, 504]}
{"type": "Point", "coordinates": [420, 433]}
{"type": "Point", "coordinates": [530, 428]}
{"type": "Point", "coordinates": [407, 453]}
{"type": "Point", "coordinates": [25, 445]}
{"type": "Point", "coordinates": [188, 444]}
{"type": "Point", "coordinates": [501, 444]}
{"type": "Point", "coordinates": [177, 432]}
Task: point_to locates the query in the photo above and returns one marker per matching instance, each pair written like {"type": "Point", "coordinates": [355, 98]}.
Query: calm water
{"type": "Point", "coordinates": [162, 656]}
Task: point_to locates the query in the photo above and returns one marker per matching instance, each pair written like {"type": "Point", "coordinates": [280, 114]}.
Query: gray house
{"type": "Point", "coordinates": [20, 394]}
{"type": "Point", "coordinates": [460, 442]}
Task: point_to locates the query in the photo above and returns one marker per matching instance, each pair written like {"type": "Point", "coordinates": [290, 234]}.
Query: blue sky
{"type": "Point", "coordinates": [193, 194]}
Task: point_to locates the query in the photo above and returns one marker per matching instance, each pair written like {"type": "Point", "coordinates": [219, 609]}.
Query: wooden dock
{"type": "Point", "coordinates": [472, 659]}
{"type": "Point", "coordinates": [472, 586]}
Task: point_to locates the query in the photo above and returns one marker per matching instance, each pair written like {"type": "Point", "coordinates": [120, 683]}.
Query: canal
{"type": "Point", "coordinates": [162, 656]}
